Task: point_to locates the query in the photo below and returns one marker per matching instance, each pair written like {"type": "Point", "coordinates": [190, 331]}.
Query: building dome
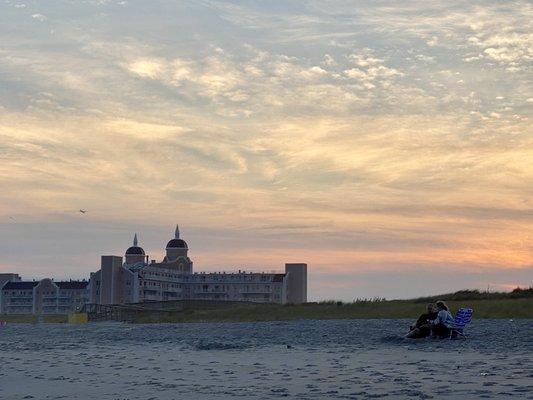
{"type": "Point", "coordinates": [135, 251]}
{"type": "Point", "coordinates": [177, 244]}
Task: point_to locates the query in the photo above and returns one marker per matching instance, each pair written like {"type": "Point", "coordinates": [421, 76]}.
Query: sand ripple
{"type": "Point", "coordinates": [350, 359]}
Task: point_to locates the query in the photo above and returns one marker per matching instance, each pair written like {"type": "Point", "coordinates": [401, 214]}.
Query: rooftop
{"type": "Point", "coordinates": [32, 284]}
{"type": "Point", "coordinates": [20, 285]}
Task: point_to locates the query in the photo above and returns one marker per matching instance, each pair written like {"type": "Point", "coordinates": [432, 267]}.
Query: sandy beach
{"type": "Point", "coordinates": [351, 359]}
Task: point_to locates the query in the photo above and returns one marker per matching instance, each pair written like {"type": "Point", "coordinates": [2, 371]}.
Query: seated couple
{"type": "Point", "coordinates": [437, 322]}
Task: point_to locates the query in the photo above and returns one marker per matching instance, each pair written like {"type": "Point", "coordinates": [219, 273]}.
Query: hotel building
{"type": "Point", "coordinates": [42, 297]}
{"type": "Point", "coordinates": [135, 280]}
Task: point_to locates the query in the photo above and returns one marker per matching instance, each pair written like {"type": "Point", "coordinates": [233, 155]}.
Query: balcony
{"type": "Point", "coordinates": [255, 291]}
{"type": "Point", "coordinates": [210, 291]}
{"type": "Point", "coordinates": [18, 310]}
{"type": "Point", "coordinates": [209, 295]}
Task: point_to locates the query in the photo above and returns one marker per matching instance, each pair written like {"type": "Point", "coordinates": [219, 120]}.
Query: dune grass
{"type": "Point", "coordinates": [516, 304]}
{"type": "Point", "coordinates": [508, 308]}
{"type": "Point", "coordinates": [33, 319]}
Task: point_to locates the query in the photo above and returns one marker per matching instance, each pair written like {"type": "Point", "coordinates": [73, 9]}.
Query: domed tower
{"type": "Point", "coordinates": [135, 254]}
{"type": "Point", "coordinates": [177, 253]}
{"type": "Point", "coordinates": [176, 247]}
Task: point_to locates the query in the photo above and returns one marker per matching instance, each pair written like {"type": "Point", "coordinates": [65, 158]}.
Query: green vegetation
{"type": "Point", "coordinates": [33, 319]}
{"type": "Point", "coordinates": [515, 304]}
{"type": "Point", "coordinates": [508, 308]}
{"type": "Point", "coordinates": [517, 293]}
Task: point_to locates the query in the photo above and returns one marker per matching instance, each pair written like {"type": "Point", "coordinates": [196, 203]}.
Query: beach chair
{"type": "Point", "coordinates": [462, 319]}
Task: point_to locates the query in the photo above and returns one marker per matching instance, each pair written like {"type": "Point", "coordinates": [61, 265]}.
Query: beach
{"type": "Point", "coordinates": [338, 359]}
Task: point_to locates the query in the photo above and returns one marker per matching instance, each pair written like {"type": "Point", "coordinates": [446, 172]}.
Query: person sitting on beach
{"type": "Point", "coordinates": [443, 324]}
{"type": "Point", "coordinates": [422, 326]}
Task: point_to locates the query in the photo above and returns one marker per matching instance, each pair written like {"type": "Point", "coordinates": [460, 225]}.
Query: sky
{"type": "Point", "coordinates": [387, 144]}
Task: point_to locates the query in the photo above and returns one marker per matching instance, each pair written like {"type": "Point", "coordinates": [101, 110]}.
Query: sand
{"type": "Point", "coordinates": [358, 359]}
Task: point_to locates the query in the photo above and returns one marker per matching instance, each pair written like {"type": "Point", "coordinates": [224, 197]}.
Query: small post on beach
{"type": "Point", "coordinates": [78, 318]}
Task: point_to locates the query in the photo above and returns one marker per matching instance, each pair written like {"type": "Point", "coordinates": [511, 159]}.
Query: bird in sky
{"type": "Point", "coordinates": [83, 211]}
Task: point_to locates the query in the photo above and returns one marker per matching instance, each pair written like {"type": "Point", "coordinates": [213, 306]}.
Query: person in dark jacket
{"type": "Point", "coordinates": [422, 326]}
{"type": "Point", "coordinates": [442, 326]}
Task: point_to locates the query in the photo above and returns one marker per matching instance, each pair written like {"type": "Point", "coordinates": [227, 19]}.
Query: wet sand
{"type": "Point", "coordinates": [359, 359]}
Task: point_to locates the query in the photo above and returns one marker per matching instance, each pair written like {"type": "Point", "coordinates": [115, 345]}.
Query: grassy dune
{"type": "Point", "coordinates": [494, 305]}
{"type": "Point", "coordinates": [508, 308]}
{"type": "Point", "coordinates": [33, 319]}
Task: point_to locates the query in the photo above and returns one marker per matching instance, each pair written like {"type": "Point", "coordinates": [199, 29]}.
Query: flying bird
{"type": "Point", "coordinates": [83, 211]}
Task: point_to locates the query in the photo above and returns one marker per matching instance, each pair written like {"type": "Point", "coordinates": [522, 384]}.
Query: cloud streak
{"type": "Point", "coordinates": [380, 137]}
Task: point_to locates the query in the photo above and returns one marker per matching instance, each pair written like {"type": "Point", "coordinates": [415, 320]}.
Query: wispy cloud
{"type": "Point", "coordinates": [376, 137]}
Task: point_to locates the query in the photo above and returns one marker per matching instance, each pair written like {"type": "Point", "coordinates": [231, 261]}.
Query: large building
{"type": "Point", "coordinates": [42, 297]}
{"type": "Point", "coordinates": [8, 277]}
{"type": "Point", "coordinates": [135, 279]}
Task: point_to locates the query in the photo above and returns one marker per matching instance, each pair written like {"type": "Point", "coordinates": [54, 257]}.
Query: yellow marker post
{"type": "Point", "coordinates": [78, 318]}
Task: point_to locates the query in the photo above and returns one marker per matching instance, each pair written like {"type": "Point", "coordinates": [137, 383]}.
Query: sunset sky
{"type": "Point", "coordinates": [387, 144]}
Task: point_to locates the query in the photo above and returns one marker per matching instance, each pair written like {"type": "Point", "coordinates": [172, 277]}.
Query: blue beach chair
{"type": "Point", "coordinates": [462, 319]}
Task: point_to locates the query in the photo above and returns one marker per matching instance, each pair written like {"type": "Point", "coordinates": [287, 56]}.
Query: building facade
{"type": "Point", "coordinates": [136, 280]}
{"type": "Point", "coordinates": [43, 297]}
{"type": "Point", "coordinates": [8, 277]}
